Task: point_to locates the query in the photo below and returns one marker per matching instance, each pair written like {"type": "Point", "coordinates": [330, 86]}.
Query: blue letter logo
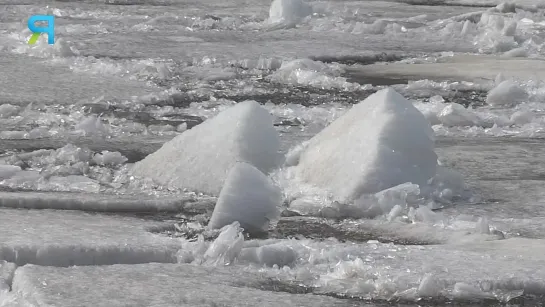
{"type": "Point", "coordinates": [50, 29]}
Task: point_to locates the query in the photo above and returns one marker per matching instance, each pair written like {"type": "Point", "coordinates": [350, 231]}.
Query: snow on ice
{"type": "Point", "coordinates": [380, 143]}
{"type": "Point", "coordinates": [200, 158]}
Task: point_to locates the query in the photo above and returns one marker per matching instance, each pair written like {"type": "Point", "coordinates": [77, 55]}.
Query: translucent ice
{"type": "Point", "coordinates": [226, 247]}
{"type": "Point", "coordinates": [380, 143]}
{"type": "Point", "coordinates": [429, 286]}
{"type": "Point", "coordinates": [200, 158]}
{"type": "Point", "coordinates": [288, 11]}
{"type": "Point", "coordinates": [464, 290]}
{"type": "Point", "coordinates": [506, 93]}
{"type": "Point", "coordinates": [482, 226]}
{"type": "Point", "coordinates": [248, 197]}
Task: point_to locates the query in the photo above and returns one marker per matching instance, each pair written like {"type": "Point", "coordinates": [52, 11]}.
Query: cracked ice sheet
{"type": "Point", "coordinates": [64, 238]}
{"type": "Point", "coordinates": [153, 285]}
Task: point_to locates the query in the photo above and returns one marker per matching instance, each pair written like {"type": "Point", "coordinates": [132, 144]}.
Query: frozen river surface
{"type": "Point", "coordinates": [126, 76]}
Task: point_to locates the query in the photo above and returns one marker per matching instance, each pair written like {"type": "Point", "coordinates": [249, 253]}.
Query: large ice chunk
{"type": "Point", "coordinates": [200, 158]}
{"type": "Point", "coordinates": [248, 197]}
{"type": "Point", "coordinates": [506, 93]}
{"type": "Point", "coordinates": [288, 11]}
{"type": "Point", "coordinates": [380, 143]}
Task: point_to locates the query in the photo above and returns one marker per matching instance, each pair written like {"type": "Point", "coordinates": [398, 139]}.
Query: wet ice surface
{"type": "Point", "coordinates": [123, 79]}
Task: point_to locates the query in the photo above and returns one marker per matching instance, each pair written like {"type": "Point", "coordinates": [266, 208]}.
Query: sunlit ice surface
{"type": "Point", "coordinates": [126, 76]}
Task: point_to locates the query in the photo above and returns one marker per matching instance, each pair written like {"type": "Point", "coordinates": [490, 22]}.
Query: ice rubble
{"type": "Point", "coordinates": [230, 248]}
{"type": "Point", "coordinates": [384, 271]}
{"type": "Point", "coordinates": [200, 158]}
{"type": "Point", "coordinates": [380, 271]}
{"type": "Point", "coordinates": [74, 238]}
{"type": "Point", "coordinates": [384, 142]}
{"type": "Point", "coordinates": [249, 197]}
{"type": "Point", "coordinates": [42, 49]}
{"type": "Point", "coordinates": [67, 169]}
{"type": "Point", "coordinates": [312, 73]}
{"type": "Point", "coordinates": [451, 115]}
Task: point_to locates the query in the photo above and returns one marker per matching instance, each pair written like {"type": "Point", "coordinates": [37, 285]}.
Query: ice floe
{"type": "Point", "coordinates": [74, 238]}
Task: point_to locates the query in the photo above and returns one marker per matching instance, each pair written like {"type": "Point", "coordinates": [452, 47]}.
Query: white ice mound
{"type": "Point", "coordinates": [507, 93]}
{"type": "Point", "coordinates": [200, 158]}
{"type": "Point", "coordinates": [381, 142]}
{"type": "Point", "coordinates": [288, 11]}
{"type": "Point", "coordinates": [248, 197]}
